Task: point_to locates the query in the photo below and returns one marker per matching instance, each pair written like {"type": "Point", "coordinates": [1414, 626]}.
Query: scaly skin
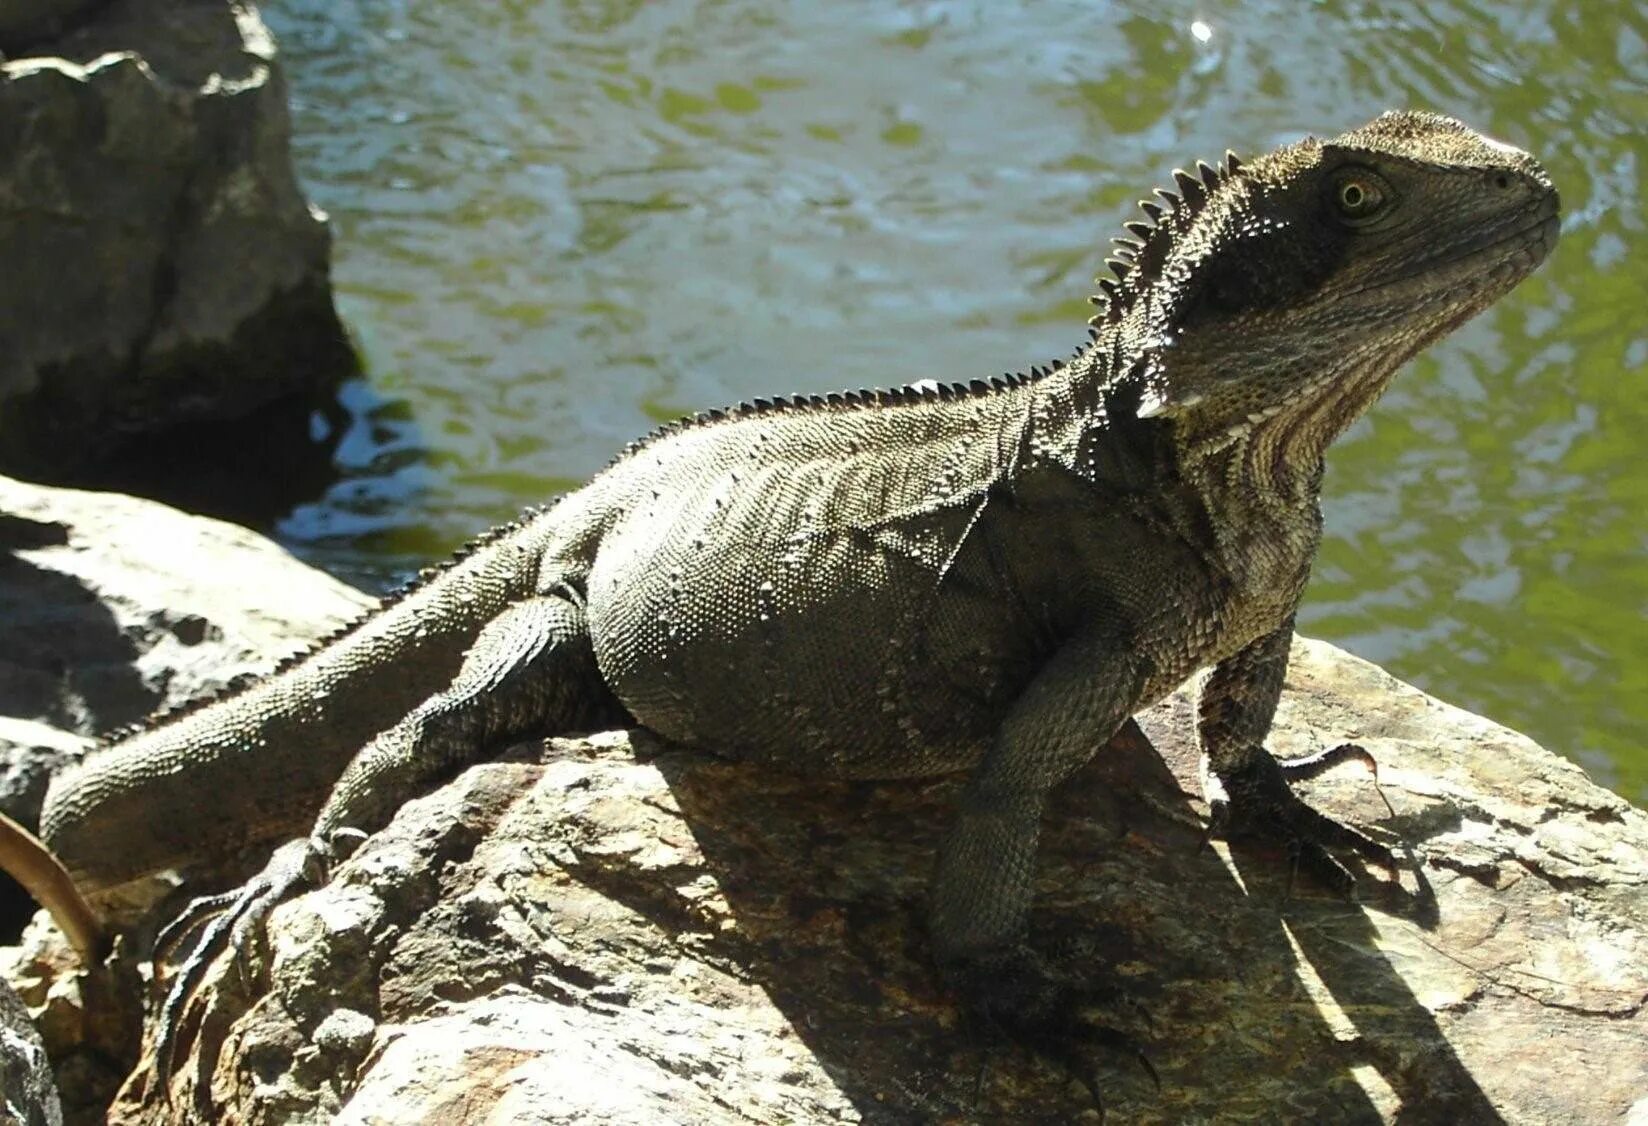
{"type": "Point", "coordinates": [989, 578]}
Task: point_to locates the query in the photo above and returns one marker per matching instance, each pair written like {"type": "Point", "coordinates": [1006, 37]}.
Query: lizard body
{"type": "Point", "coordinates": [988, 577]}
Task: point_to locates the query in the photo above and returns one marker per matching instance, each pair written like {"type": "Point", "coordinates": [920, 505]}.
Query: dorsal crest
{"type": "Point", "coordinates": [1141, 254]}
{"type": "Point", "coordinates": [868, 398]}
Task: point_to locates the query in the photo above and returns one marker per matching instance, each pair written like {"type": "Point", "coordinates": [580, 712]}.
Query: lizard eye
{"type": "Point", "coordinates": [1359, 196]}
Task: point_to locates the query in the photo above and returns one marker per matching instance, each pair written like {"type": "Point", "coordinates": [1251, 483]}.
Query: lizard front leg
{"type": "Point", "coordinates": [1248, 788]}
{"type": "Point", "coordinates": [981, 895]}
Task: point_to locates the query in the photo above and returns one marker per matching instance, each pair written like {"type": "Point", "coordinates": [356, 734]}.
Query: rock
{"type": "Point", "coordinates": [116, 607]}
{"type": "Point", "coordinates": [162, 265]}
{"type": "Point", "coordinates": [613, 930]}
{"type": "Point", "coordinates": [27, 21]}
{"type": "Point", "coordinates": [30, 754]}
{"type": "Point", "coordinates": [28, 1096]}
{"type": "Point", "coordinates": [89, 1019]}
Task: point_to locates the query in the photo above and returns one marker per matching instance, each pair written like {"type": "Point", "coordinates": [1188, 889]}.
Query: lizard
{"type": "Point", "coordinates": [988, 577]}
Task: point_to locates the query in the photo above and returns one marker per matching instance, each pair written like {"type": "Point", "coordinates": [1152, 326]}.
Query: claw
{"type": "Point", "coordinates": [191, 974]}
{"type": "Point", "coordinates": [1080, 1066]}
{"type": "Point", "coordinates": [1082, 1071]}
{"type": "Point", "coordinates": [1322, 761]}
{"type": "Point", "coordinates": [1149, 1019]}
{"type": "Point", "coordinates": [978, 1080]}
{"type": "Point", "coordinates": [231, 922]}
{"type": "Point", "coordinates": [1014, 995]}
{"type": "Point", "coordinates": [1256, 802]}
{"type": "Point", "coordinates": [1124, 1045]}
{"type": "Point", "coordinates": [188, 921]}
{"type": "Point", "coordinates": [1321, 866]}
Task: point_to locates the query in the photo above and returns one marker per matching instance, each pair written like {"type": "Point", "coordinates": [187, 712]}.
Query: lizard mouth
{"type": "Point", "coordinates": [1526, 247]}
{"type": "Point", "coordinates": [1482, 272]}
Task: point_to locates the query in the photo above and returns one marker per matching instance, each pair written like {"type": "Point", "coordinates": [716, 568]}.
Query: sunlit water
{"type": "Point", "coordinates": [558, 224]}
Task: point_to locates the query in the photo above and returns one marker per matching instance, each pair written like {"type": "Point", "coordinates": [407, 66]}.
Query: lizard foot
{"type": "Point", "coordinates": [1256, 803]}
{"type": "Point", "coordinates": [1015, 996]}
{"type": "Point", "coordinates": [227, 922]}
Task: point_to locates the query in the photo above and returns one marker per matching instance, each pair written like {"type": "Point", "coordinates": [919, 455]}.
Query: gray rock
{"type": "Point", "coordinates": [23, 22]}
{"type": "Point", "coordinates": [116, 607]}
{"type": "Point", "coordinates": [30, 753]}
{"type": "Point", "coordinates": [621, 932]}
{"type": "Point", "coordinates": [161, 265]}
{"type": "Point", "coordinates": [28, 1095]}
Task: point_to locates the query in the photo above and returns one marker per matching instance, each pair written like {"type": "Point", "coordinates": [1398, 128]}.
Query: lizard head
{"type": "Point", "coordinates": [1296, 284]}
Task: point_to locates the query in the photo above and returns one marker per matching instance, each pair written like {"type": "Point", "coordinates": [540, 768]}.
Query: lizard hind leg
{"type": "Point", "coordinates": [530, 669]}
{"type": "Point", "coordinates": [978, 923]}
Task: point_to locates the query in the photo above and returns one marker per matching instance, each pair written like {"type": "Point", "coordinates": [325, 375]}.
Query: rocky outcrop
{"type": "Point", "coordinates": [116, 607]}
{"type": "Point", "coordinates": [158, 263]}
{"type": "Point", "coordinates": [614, 930]}
{"type": "Point", "coordinates": [23, 22]}
{"type": "Point", "coordinates": [610, 929]}
{"type": "Point", "coordinates": [28, 1095]}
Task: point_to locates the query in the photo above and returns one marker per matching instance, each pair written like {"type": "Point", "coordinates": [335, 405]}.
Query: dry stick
{"type": "Point", "coordinates": [32, 864]}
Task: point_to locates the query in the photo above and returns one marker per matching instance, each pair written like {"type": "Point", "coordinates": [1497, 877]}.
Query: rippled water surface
{"type": "Point", "coordinates": [560, 223]}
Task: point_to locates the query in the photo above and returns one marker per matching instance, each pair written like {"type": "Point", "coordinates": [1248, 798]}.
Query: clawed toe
{"type": "Point", "coordinates": [191, 974]}
{"type": "Point", "coordinates": [1074, 1042]}
{"type": "Point", "coordinates": [1256, 803]}
{"type": "Point", "coordinates": [1328, 833]}
{"type": "Point", "coordinates": [227, 923]}
{"type": "Point", "coordinates": [1320, 866]}
{"type": "Point", "coordinates": [1110, 1040]}
{"type": "Point", "coordinates": [189, 920]}
{"type": "Point", "coordinates": [1310, 766]}
{"type": "Point", "coordinates": [1020, 1000]}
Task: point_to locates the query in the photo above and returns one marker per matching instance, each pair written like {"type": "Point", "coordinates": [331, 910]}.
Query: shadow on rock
{"type": "Point", "coordinates": [827, 883]}
{"type": "Point", "coordinates": [612, 927]}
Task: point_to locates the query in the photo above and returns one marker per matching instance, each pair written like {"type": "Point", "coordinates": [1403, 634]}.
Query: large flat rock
{"type": "Point", "coordinates": [613, 930]}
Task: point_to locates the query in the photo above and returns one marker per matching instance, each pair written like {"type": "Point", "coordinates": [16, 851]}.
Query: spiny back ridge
{"type": "Point", "coordinates": [1140, 255]}
{"type": "Point", "coordinates": [868, 397]}
{"type": "Point", "coordinates": [1133, 268]}
{"type": "Point", "coordinates": [238, 684]}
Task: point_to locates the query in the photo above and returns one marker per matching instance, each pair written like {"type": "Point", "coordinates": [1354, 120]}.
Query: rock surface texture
{"type": "Point", "coordinates": [160, 265]}
{"type": "Point", "coordinates": [115, 607]}
{"type": "Point", "coordinates": [613, 930]}
{"type": "Point", "coordinates": [28, 1096]}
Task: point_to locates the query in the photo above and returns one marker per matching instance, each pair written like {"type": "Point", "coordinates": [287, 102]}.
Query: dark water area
{"type": "Point", "coordinates": [560, 224]}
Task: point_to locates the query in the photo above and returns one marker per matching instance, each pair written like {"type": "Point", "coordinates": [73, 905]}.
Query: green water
{"type": "Point", "coordinates": [559, 223]}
